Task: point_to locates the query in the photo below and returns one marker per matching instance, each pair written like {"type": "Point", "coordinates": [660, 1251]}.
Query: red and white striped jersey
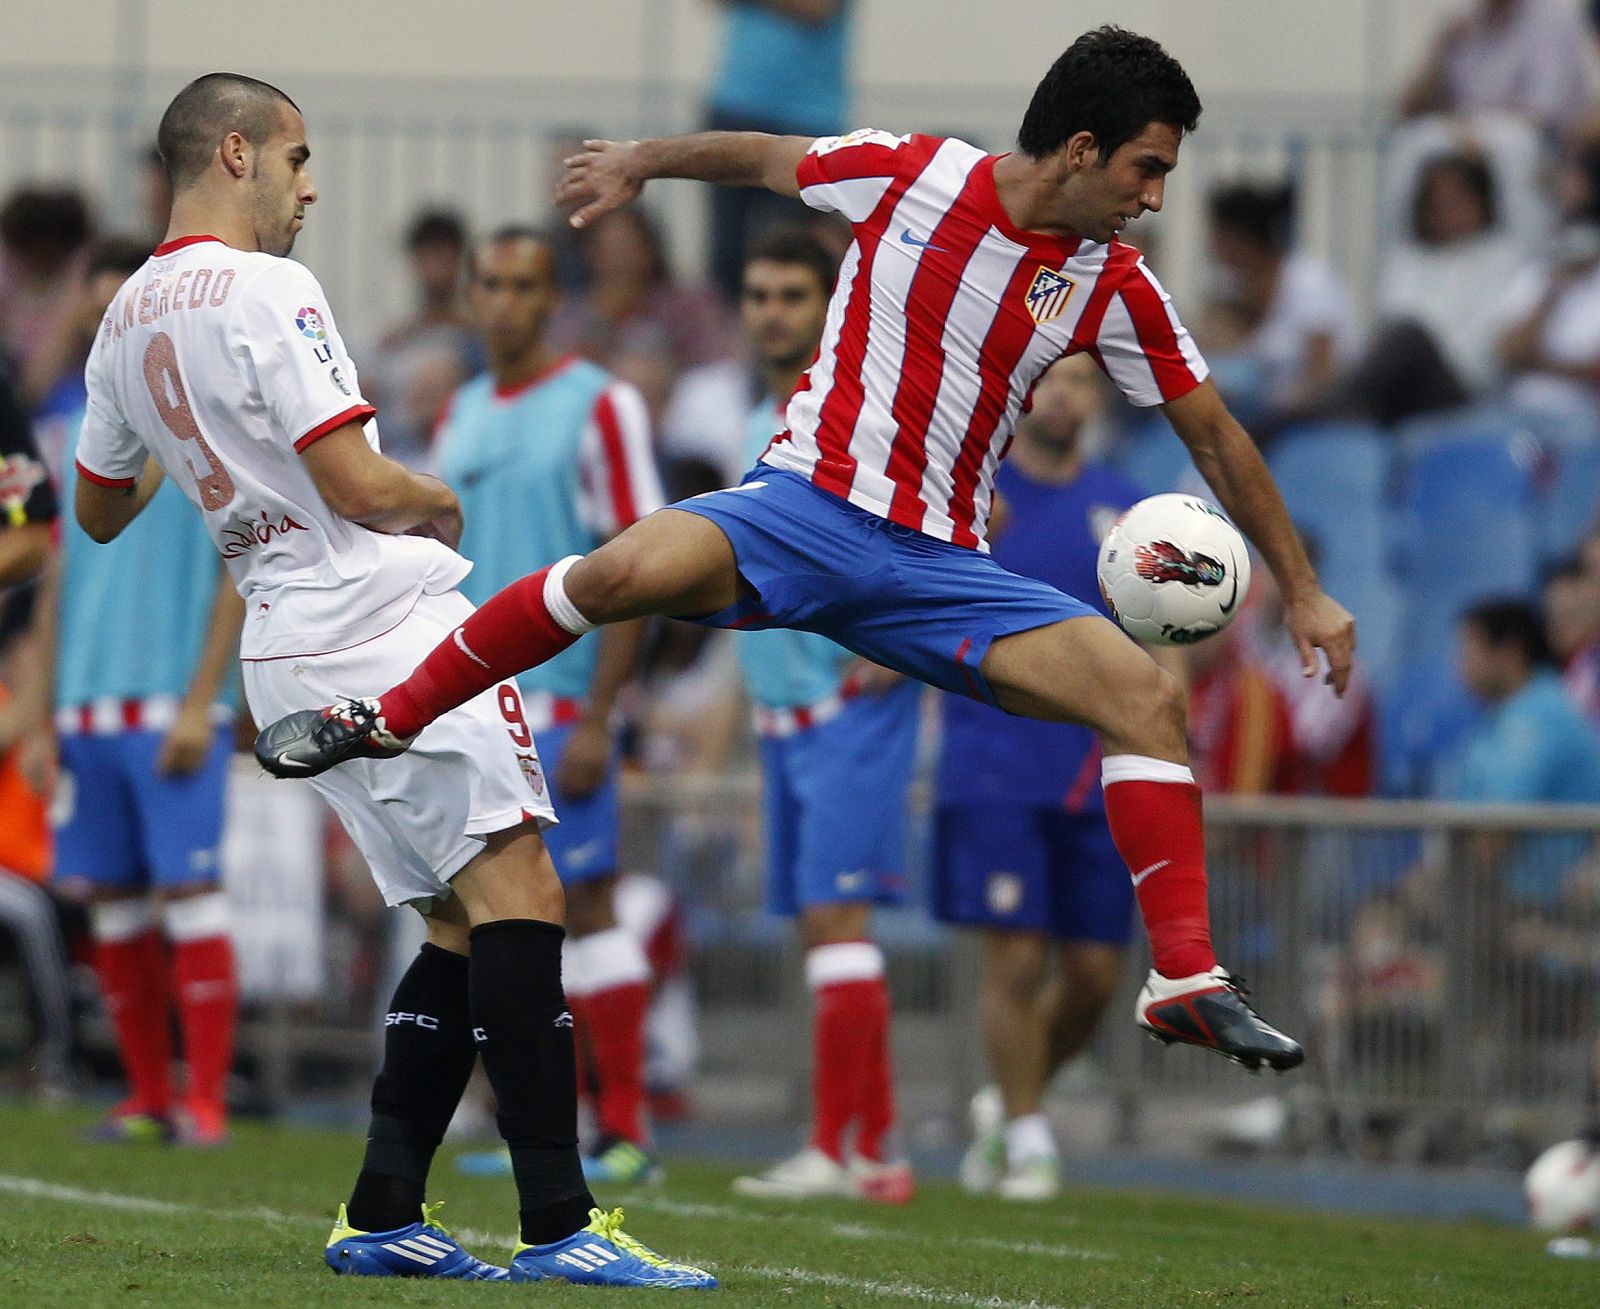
{"type": "Point", "coordinates": [944, 317]}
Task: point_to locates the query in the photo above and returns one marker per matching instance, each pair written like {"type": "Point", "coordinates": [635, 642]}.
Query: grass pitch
{"type": "Point", "coordinates": [85, 1225]}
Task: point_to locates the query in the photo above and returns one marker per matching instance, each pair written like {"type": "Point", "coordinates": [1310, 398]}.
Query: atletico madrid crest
{"type": "Point", "coordinates": [1048, 295]}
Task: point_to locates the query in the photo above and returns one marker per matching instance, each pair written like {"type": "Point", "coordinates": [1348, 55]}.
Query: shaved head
{"type": "Point", "coordinates": [205, 111]}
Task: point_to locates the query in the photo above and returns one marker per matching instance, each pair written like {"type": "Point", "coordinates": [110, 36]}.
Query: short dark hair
{"type": "Point", "coordinates": [1511, 621]}
{"type": "Point", "coordinates": [436, 227]}
{"type": "Point", "coordinates": [795, 245]}
{"type": "Point", "coordinates": [1261, 212]}
{"type": "Point", "coordinates": [1113, 84]}
{"type": "Point", "coordinates": [44, 221]}
{"type": "Point", "coordinates": [514, 232]}
{"type": "Point", "coordinates": [116, 254]}
{"type": "Point", "coordinates": [208, 109]}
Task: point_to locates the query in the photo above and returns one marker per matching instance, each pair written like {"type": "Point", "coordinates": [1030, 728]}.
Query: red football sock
{"type": "Point", "coordinates": [1154, 807]}
{"type": "Point", "coordinates": [133, 982]}
{"type": "Point", "coordinates": [611, 972]}
{"type": "Point", "coordinates": [208, 1004]}
{"type": "Point", "coordinates": [875, 1115]}
{"type": "Point", "coordinates": [513, 630]}
{"type": "Point", "coordinates": [846, 980]}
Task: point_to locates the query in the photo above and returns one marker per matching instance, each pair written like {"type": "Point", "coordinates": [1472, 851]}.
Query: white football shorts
{"type": "Point", "coordinates": [417, 818]}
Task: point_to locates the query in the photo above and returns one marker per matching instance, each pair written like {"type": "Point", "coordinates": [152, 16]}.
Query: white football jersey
{"type": "Point", "coordinates": [225, 365]}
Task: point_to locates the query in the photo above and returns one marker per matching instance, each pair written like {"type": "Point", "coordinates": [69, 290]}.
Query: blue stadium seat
{"type": "Point", "coordinates": [1152, 457]}
{"type": "Point", "coordinates": [1571, 499]}
{"type": "Point", "coordinates": [1465, 529]}
{"type": "Point", "coordinates": [1335, 479]}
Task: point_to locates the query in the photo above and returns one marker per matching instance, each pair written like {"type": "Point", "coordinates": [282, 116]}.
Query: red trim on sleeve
{"type": "Point", "coordinates": [117, 483]}
{"type": "Point", "coordinates": [623, 507]}
{"type": "Point", "coordinates": [178, 243]}
{"type": "Point", "coordinates": [354, 414]}
{"type": "Point", "coordinates": [1157, 340]}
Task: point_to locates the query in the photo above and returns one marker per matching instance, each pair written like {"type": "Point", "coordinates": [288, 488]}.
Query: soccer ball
{"type": "Point", "coordinates": [1173, 570]}
{"type": "Point", "coordinates": [1563, 1188]}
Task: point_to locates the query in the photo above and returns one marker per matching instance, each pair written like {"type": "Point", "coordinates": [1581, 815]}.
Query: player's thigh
{"type": "Point", "coordinates": [672, 562]}
{"type": "Point", "coordinates": [1084, 670]}
{"type": "Point", "coordinates": [1091, 893]}
{"type": "Point", "coordinates": [180, 817]}
{"type": "Point", "coordinates": [97, 845]}
{"type": "Point", "coordinates": [511, 877]}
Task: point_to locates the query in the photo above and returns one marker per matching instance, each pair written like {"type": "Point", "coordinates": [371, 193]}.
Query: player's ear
{"type": "Point", "coordinates": [1081, 150]}
{"type": "Point", "coordinates": [235, 153]}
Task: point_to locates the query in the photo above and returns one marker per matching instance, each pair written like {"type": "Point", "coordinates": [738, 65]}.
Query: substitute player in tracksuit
{"type": "Point", "coordinates": [551, 456]}
{"type": "Point", "coordinates": [838, 740]}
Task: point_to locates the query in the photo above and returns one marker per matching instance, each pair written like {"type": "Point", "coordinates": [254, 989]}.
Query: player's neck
{"type": "Point", "coordinates": [192, 216]}
{"type": "Point", "coordinates": [521, 369]}
{"type": "Point", "coordinates": [1025, 188]}
{"type": "Point", "coordinates": [781, 382]}
{"type": "Point", "coordinates": [1042, 464]}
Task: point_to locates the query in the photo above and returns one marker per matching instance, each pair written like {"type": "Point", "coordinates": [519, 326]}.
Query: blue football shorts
{"type": "Point", "coordinates": [897, 596]}
{"type": "Point", "coordinates": [583, 844]}
{"type": "Point", "coordinates": [127, 827]}
{"type": "Point", "coordinates": [834, 804]}
{"type": "Point", "coordinates": [1031, 869]}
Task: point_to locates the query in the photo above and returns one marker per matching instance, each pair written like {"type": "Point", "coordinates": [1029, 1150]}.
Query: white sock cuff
{"type": "Point", "coordinates": [1142, 768]}
{"type": "Point", "coordinates": [555, 598]}
{"type": "Point", "coordinates": [121, 920]}
{"type": "Point", "coordinates": [609, 959]}
{"type": "Point", "coordinates": [843, 961]}
{"type": "Point", "coordinates": [197, 917]}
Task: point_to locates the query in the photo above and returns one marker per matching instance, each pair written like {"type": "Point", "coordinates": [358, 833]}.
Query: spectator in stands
{"type": "Point", "coordinates": [1331, 738]}
{"type": "Point", "coordinates": [1240, 738]}
{"type": "Point", "coordinates": [1526, 56]}
{"type": "Point", "coordinates": [1553, 344]}
{"type": "Point", "coordinates": [782, 70]}
{"type": "Point", "coordinates": [424, 358]}
{"type": "Point", "coordinates": [27, 914]}
{"type": "Point", "coordinates": [107, 264]}
{"type": "Point", "coordinates": [1299, 328]}
{"type": "Point", "coordinates": [43, 232]}
{"type": "Point", "coordinates": [633, 302]}
{"type": "Point", "coordinates": [1434, 345]}
{"type": "Point", "coordinates": [1572, 626]}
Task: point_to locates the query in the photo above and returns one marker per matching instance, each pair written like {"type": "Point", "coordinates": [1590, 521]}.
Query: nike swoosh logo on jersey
{"type": "Point", "coordinates": [907, 239]}
{"type": "Point", "coordinates": [1154, 868]}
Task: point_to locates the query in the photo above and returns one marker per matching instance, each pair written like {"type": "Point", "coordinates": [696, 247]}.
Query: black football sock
{"type": "Point", "coordinates": [524, 1033]}
{"type": "Point", "coordinates": [428, 1053]}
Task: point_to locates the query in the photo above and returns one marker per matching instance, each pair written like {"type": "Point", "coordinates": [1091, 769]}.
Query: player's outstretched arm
{"type": "Point", "coordinates": [103, 511]}
{"type": "Point", "coordinates": [371, 489]}
{"type": "Point", "coordinates": [1235, 470]}
{"type": "Point", "coordinates": [606, 175]}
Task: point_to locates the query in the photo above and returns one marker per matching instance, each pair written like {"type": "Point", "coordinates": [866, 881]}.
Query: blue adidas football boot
{"type": "Point", "coordinates": [423, 1249]}
{"type": "Point", "coordinates": [602, 1254]}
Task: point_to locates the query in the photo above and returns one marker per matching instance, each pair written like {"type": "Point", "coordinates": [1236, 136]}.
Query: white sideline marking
{"type": "Point", "coordinates": [38, 1189]}
{"type": "Point", "coordinates": [859, 1231]}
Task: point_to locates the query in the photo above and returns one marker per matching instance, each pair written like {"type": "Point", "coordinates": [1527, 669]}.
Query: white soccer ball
{"type": "Point", "coordinates": [1563, 1188]}
{"type": "Point", "coordinates": [1173, 570]}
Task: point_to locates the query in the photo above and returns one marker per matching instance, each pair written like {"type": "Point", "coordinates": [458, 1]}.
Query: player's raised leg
{"type": "Point", "coordinates": [1084, 670]}
{"type": "Point", "coordinates": [671, 563]}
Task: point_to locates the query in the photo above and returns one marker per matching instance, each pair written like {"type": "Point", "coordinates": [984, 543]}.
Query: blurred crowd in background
{"type": "Point", "coordinates": [1442, 455]}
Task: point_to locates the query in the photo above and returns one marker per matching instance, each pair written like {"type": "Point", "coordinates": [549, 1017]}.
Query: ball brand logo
{"type": "Point", "coordinates": [309, 321]}
{"type": "Point", "coordinates": [1161, 561]}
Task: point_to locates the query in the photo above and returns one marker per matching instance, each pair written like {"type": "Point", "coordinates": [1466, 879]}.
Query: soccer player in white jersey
{"type": "Point", "coordinates": [969, 275]}
{"type": "Point", "coordinates": [220, 360]}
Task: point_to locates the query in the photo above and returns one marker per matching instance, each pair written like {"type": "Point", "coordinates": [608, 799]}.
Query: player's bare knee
{"type": "Point", "coordinates": [1148, 712]}
{"type": "Point", "coordinates": [599, 583]}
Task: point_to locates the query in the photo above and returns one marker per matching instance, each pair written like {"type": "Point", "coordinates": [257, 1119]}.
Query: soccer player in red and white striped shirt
{"type": "Point", "coordinates": [968, 276]}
